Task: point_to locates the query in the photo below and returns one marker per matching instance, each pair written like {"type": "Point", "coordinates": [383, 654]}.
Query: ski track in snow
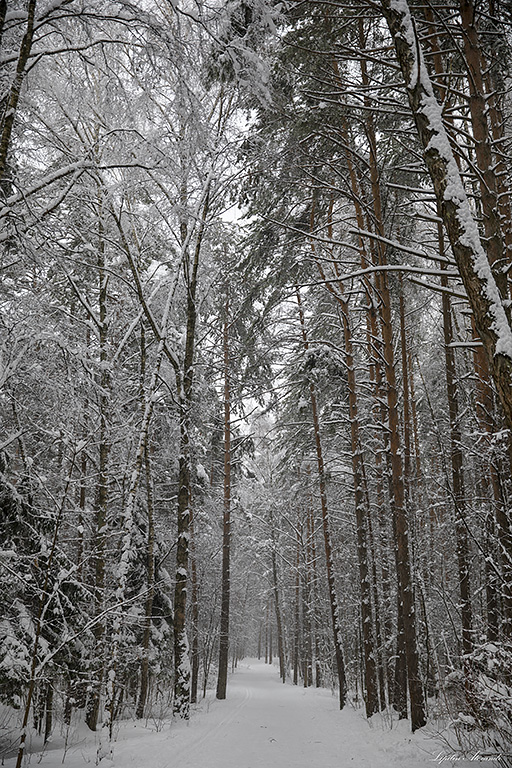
{"type": "Point", "coordinates": [262, 724]}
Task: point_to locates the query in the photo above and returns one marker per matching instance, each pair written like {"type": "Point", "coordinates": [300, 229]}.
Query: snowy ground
{"type": "Point", "coordinates": [262, 724]}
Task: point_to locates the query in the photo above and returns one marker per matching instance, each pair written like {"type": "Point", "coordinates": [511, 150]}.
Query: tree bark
{"type": "Point", "coordinates": [459, 500]}
{"type": "Point", "coordinates": [194, 596]}
{"type": "Point", "coordinates": [11, 105]}
{"type": "Point", "coordinates": [397, 495]}
{"type": "Point", "coordinates": [226, 522]}
{"type": "Point", "coordinates": [100, 528]}
{"type": "Point", "coordinates": [491, 317]}
{"type": "Point", "coordinates": [333, 600]}
{"type": "Point", "coordinates": [182, 671]}
{"type": "Point", "coordinates": [150, 581]}
{"type": "Point", "coordinates": [277, 603]}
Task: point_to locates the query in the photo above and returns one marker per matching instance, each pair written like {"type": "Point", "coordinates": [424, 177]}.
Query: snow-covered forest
{"type": "Point", "coordinates": [256, 361]}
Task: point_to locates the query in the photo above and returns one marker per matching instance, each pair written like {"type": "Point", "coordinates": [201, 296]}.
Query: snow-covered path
{"type": "Point", "coordinates": [263, 724]}
{"type": "Point", "coordinates": [266, 723]}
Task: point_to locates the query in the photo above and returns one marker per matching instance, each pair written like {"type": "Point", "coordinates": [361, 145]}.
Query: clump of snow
{"type": "Point", "coordinates": [202, 474]}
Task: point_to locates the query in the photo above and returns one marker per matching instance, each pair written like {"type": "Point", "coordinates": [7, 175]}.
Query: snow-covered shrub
{"type": "Point", "coordinates": [480, 697]}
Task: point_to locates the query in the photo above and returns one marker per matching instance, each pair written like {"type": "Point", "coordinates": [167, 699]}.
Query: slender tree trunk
{"type": "Point", "coordinates": [398, 500]}
{"type": "Point", "coordinates": [361, 508]}
{"type": "Point", "coordinates": [226, 531]}
{"type": "Point", "coordinates": [100, 532]}
{"type": "Point", "coordinates": [150, 547]}
{"type": "Point", "coordinates": [48, 705]}
{"type": "Point", "coordinates": [182, 671]}
{"type": "Point", "coordinates": [194, 596]}
{"type": "Point", "coordinates": [129, 524]}
{"type": "Point", "coordinates": [266, 633]}
{"type": "Point", "coordinates": [297, 628]}
{"type": "Point", "coordinates": [333, 600]}
{"type": "Point", "coordinates": [399, 696]}
{"type": "Point", "coordinates": [381, 659]}
{"type": "Point", "coordinates": [307, 609]}
{"type": "Point", "coordinates": [150, 582]}
{"type": "Point", "coordinates": [270, 639]}
{"type": "Point", "coordinates": [374, 341]}
{"type": "Point", "coordinates": [315, 619]}
{"type": "Point", "coordinates": [461, 535]}
{"type": "Point", "coordinates": [277, 605]}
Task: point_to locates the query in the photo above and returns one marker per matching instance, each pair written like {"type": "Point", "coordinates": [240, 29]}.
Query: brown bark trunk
{"type": "Point", "coordinates": [502, 531]}
{"type": "Point", "coordinates": [483, 146]}
{"type": "Point", "coordinates": [315, 620]}
{"type": "Point", "coordinates": [400, 677]}
{"type": "Point", "coordinates": [226, 523]}
{"type": "Point", "coordinates": [360, 498]}
{"type": "Point", "coordinates": [362, 513]}
{"type": "Point", "coordinates": [374, 340]}
{"type": "Point", "coordinates": [296, 639]}
{"type": "Point", "coordinates": [491, 316]}
{"type": "Point", "coordinates": [308, 603]}
{"type": "Point", "coordinates": [459, 501]}
{"type": "Point", "coordinates": [277, 605]}
{"type": "Point", "coordinates": [398, 500]}
{"type": "Point", "coordinates": [333, 600]}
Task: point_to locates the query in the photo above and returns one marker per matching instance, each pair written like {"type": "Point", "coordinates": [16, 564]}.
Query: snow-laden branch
{"type": "Point", "coordinates": [490, 309]}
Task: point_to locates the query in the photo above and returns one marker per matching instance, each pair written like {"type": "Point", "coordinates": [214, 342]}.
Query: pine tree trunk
{"type": "Point", "coordinates": [360, 498]}
{"type": "Point", "coordinates": [491, 315]}
{"type": "Point", "coordinates": [478, 107]}
{"type": "Point", "coordinates": [277, 606]}
{"type": "Point", "coordinates": [373, 336]}
{"type": "Point", "coordinates": [400, 679]}
{"type": "Point", "coordinates": [333, 600]}
{"type": "Point", "coordinates": [308, 602]}
{"type": "Point", "coordinates": [226, 530]}
{"type": "Point", "coordinates": [307, 638]}
{"type": "Point", "coordinates": [461, 535]}
{"type": "Point", "coordinates": [297, 628]}
{"type": "Point", "coordinates": [501, 530]}
{"type": "Point", "coordinates": [381, 659]}
{"type": "Point", "coordinates": [362, 513]}
{"type": "Point", "coordinates": [315, 622]}
{"type": "Point", "coordinates": [398, 500]}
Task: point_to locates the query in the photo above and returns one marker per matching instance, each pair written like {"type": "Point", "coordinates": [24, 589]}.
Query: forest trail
{"type": "Point", "coordinates": [262, 724]}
